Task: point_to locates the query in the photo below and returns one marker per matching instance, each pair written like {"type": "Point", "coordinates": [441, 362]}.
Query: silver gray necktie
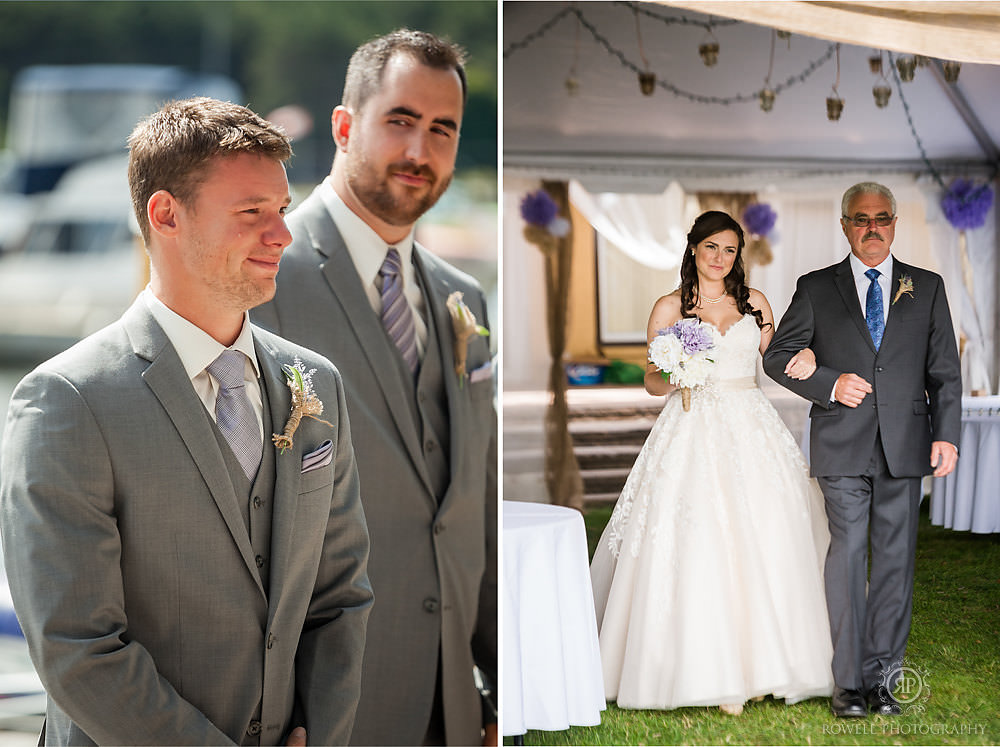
{"type": "Point", "coordinates": [233, 412]}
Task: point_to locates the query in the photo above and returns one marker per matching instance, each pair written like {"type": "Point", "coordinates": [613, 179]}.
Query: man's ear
{"type": "Point", "coordinates": [161, 211]}
{"type": "Point", "coordinates": [341, 121]}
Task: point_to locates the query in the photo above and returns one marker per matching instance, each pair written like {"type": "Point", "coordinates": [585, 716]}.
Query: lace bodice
{"type": "Point", "coordinates": [736, 352]}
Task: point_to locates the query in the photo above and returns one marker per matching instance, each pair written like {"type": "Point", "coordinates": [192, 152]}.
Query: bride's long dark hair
{"type": "Point", "coordinates": [708, 224]}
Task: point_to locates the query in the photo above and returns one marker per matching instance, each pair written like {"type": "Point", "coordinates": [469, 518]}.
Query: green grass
{"type": "Point", "coordinates": [954, 645]}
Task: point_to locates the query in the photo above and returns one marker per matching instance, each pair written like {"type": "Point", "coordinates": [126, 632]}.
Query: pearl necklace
{"type": "Point", "coordinates": [706, 299]}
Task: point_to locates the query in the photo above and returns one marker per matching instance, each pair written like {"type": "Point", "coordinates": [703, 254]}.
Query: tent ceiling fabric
{"type": "Point", "coordinates": [607, 134]}
{"type": "Point", "coordinates": [963, 31]}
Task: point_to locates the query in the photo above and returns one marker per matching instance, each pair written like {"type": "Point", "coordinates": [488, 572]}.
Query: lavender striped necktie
{"type": "Point", "coordinates": [397, 316]}
{"type": "Point", "coordinates": [233, 412]}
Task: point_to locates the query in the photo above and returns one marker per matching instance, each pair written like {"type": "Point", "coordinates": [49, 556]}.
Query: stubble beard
{"type": "Point", "coordinates": [373, 191]}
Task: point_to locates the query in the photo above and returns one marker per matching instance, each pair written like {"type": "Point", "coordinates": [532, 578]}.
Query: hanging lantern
{"type": "Point", "coordinates": [907, 66]}
{"type": "Point", "coordinates": [709, 52]}
{"type": "Point", "coordinates": [881, 93]}
{"type": "Point", "coordinates": [951, 70]}
{"type": "Point", "coordinates": [766, 96]}
{"type": "Point", "coordinates": [834, 107]}
{"type": "Point", "coordinates": [875, 64]}
{"type": "Point", "coordinates": [647, 83]}
{"type": "Point", "coordinates": [784, 35]}
{"type": "Point", "coordinates": [572, 86]}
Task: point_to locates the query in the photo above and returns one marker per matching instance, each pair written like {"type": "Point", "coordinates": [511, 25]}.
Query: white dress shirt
{"type": "Point", "coordinates": [368, 250]}
{"type": "Point", "coordinates": [862, 283]}
{"type": "Point", "coordinates": [197, 349]}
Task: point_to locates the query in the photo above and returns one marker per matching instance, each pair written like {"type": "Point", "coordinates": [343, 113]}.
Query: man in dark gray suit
{"type": "Point", "coordinates": [181, 576]}
{"type": "Point", "coordinates": [355, 286]}
{"type": "Point", "coordinates": [886, 395]}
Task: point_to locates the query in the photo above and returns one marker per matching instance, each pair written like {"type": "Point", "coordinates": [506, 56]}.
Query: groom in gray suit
{"type": "Point", "coordinates": [355, 286]}
{"type": "Point", "coordinates": [886, 395]}
{"type": "Point", "coordinates": [181, 579]}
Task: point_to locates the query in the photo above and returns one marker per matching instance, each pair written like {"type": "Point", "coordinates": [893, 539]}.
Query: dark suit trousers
{"type": "Point", "coordinates": [870, 629]}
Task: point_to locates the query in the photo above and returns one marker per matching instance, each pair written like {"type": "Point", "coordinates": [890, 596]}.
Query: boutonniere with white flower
{"type": "Point", "coordinates": [905, 287]}
{"type": "Point", "coordinates": [463, 322]}
{"type": "Point", "coordinates": [305, 403]}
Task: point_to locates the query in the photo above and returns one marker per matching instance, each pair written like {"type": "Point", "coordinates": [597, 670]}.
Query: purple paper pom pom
{"type": "Point", "coordinates": [538, 208]}
{"type": "Point", "coordinates": [759, 218]}
{"type": "Point", "coordinates": [965, 205]}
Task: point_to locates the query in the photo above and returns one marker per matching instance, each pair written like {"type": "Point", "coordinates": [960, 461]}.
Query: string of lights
{"type": "Point", "coordinates": [913, 129]}
{"type": "Point", "coordinates": [697, 97]}
{"type": "Point", "coordinates": [672, 20]}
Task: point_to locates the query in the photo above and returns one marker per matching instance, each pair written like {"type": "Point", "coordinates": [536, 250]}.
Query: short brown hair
{"type": "Point", "coordinates": [364, 72]}
{"type": "Point", "coordinates": [170, 149]}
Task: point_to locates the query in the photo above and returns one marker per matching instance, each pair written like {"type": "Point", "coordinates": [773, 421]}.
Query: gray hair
{"type": "Point", "coordinates": [866, 188]}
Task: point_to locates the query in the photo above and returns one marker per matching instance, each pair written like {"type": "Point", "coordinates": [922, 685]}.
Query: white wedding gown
{"type": "Point", "coordinates": [708, 577]}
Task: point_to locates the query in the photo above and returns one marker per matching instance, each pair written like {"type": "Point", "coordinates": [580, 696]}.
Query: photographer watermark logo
{"type": "Point", "coordinates": [908, 685]}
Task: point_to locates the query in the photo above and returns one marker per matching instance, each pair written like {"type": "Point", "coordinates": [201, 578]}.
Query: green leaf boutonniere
{"type": "Point", "coordinates": [305, 403]}
{"type": "Point", "coordinates": [905, 287]}
{"type": "Point", "coordinates": [463, 322]}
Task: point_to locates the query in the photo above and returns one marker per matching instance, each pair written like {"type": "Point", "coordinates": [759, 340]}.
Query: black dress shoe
{"type": "Point", "coordinates": [848, 703]}
{"type": "Point", "coordinates": [881, 701]}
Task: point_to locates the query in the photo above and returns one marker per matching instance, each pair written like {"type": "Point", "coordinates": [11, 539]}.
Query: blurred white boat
{"type": "Point", "coordinates": [79, 265]}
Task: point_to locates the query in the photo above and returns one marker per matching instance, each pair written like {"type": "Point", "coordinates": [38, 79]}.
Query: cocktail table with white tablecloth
{"type": "Point", "coordinates": [969, 498]}
{"type": "Point", "coordinates": [551, 676]}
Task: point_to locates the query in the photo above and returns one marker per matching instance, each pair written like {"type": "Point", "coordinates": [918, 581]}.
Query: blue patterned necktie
{"type": "Point", "coordinates": [873, 308]}
{"type": "Point", "coordinates": [397, 316]}
{"type": "Point", "coordinates": [233, 412]}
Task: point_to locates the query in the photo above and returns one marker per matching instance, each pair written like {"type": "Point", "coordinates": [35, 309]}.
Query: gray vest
{"type": "Point", "coordinates": [428, 403]}
{"type": "Point", "coordinates": [255, 500]}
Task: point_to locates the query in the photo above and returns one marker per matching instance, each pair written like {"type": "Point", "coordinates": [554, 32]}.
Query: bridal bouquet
{"type": "Point", "coordinates": [681, 352]}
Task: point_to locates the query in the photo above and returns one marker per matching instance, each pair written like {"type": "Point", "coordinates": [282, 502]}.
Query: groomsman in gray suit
{"type": "Point", "coordinates": [886, 393]}
{"type": "Point", "coordinates": [182, 578]}
{"type": "Point", "coordinates": [355, 286]}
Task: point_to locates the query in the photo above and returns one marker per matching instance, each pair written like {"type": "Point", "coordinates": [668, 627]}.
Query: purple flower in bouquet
{"type": "Point", "coordinates": [538, 208]}
{"type": "Point", "coordinates": [694, 336]}
{"type": "Point", "coordinates": [965, 205]}
{"type": "Point", "coordinates": [759, 218]}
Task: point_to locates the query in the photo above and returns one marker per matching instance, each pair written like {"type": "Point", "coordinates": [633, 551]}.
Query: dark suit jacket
{"type": "Point", "coordinates": [433, 562]}
{"type": "Point", "coordinates": [131, 568]}
{"type": "Point", "coordinates": [915, 374]}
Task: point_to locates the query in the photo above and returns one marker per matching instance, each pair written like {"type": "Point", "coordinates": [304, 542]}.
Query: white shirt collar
{"type": "Point", "coordinates": [859, 268]}
{"type": "Point", "coordinates": [366, 247]}
{"type": "Point", "coordinates": [195, 347]}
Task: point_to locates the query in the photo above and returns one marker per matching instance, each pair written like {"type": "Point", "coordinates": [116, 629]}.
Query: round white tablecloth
{"type": "Point", "coordinates": [969, 498]}
{"type": "Point", "coordinates": [551, 660]}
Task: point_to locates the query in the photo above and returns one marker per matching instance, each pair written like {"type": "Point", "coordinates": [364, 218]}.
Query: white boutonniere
{"type": "Point", "coordinates": [464, 324]}
{"type": "Point", "coordinates": [905, 287]}
{"type": "Point", "coordinates": [305, 403]}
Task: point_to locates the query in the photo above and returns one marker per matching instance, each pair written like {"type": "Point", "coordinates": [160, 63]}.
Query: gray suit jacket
{"type": "Point", "coordinates": [433, 561]}
{"type": "Point", "coordinates": [131, 568]}
{"type": "Point", "coordinates": [915, 373]}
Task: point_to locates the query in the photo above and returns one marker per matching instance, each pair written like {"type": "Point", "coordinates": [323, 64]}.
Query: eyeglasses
{"type": "Point", "coordinates": [863, 221]}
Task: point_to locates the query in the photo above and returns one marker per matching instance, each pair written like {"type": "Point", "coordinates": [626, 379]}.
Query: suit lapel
{"type": "Point", "coordinates": [287, 466]}
{"type": "Point", "coordinates": [169, 382]}
{"type": "Point", "coordinates": [350, 296]}
{"type": "Point", "coordinates": [844, 278]}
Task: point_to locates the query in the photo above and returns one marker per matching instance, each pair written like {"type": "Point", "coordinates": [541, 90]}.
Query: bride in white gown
{"type": "Point", "coordinates": [708, 577]}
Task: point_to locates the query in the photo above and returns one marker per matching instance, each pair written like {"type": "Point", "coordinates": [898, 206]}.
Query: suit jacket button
{"type": "Point", "coordinates": [257, 502]}
{"type": "Point", "coordinates": [254, 729]}
{"type": "Point", "coordinates": [430, 446]}
{"type": "Point", "coordinates": [270, 641]}
{"type": "Point", "coordinates": [438, 528]}
{"type": "Point", "coordinates": [431, 604]}
{"type": "Point", "coordinates": [260, 561]}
